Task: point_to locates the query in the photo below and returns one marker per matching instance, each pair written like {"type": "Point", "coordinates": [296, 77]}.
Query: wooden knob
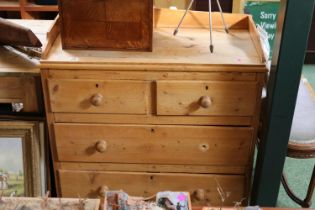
{"type": "Point", "coordinates": [97, 99]}
{"type": "Point", "coordinates": [199, 195]}
{"type": "Point", "coordinates": [102, 190]}
{"type": "Point", "coordinates": [205, 101]}
{"type": "Point", "coordinates": [101, 146]}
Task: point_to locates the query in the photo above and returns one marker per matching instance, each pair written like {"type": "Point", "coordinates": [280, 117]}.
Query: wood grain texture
{"type": "Point", "coordinates": [150, 75]}
{"type": "Point", "coordinates": [147, 184]}
{"type": "Point", "coordinates": [261, 83]}
{"type": "Point", "coordinates": [189, 51]}
{"type": "Point", "coordinates": [19, 90]}
{"type": "Point", "coordinates": [133, 167]}
{"type": "Point", "coordinates": [196, 19]}
{"type": "Point", "coordinates": [145, 144]}
{"type": "Point", "coordinates": [179, 151]}
{"type": "Point", "coordinates": [13, 62]}
{"type": "Point", "coordinates": [188, 48]}
{"type": "Point", "coordinates": [16, 35]}
{"type": "Point", "coordinates": [255, 36]}
{"type": "Point", "coordinates": [106, 24]}
{"type": "Point", "coordinates": [152, 119]}
{"type": "Point", "coordinates": [225, 98]}
{"type": "Point", "coordinates": [11, 89]}
{"type": "Point", "coordinates": [40, 28]}
{"type": "Point", "coordinates": [120, 97]}
{"type": "Point", "coordinates": [50, 120]}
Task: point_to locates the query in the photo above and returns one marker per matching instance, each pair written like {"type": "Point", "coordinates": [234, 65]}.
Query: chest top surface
{"type": "Point", "coordinates": [188, 49]}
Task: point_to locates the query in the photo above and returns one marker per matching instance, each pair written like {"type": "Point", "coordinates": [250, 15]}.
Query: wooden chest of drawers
{"type": "Point", "coordinates": [178, 118]}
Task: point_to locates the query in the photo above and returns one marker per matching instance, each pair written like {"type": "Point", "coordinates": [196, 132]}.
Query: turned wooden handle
{"type": "Point", "coordinates": [101, 146]}
{"type": "Point", "coordinates": [205, 101]}
{"type": "Point", "coordinates": [102, 190]}
{"type": "Point", "coordinates": [97, 99]}
{"type": "Point", "coordinates": [199, 194]}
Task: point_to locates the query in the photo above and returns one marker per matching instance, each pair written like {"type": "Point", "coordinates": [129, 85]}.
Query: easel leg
{"type": "Point", "coordinates": [210, 26]}
{"type": "Point", "coordinates": [222, 16]}
{"type": "Point", "coordinates": [181, 20]}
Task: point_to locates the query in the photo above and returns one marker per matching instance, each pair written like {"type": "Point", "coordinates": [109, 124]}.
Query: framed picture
{"type": "Point", "coordinates": [22, 159]}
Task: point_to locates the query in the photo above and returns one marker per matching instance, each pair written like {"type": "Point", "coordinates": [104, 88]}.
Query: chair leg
{"type": "Point", "coordinates": [310, 190]}
{"type": "Point", "coordinates": [306, 203]}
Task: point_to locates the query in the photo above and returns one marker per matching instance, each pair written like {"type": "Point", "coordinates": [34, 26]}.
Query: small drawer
{"type": "Point", "coordinates": [192, 145]}
{"type": "Point", "coordinates": [19, 89]}
{"type": "Point", "coordinates": [103, 96]}
{"type": "Point", "coordinates": [206, 98]}
{"type": "Point", "coordinates": [202, 187]}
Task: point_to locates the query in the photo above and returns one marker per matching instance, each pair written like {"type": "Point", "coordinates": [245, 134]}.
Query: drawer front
{"type": "Point", "coordinates": [203, 188]}
{"type": "Point", "coordinates": [19, 89]}
{"type": "Point", "coordinates": [91, 96]}
{"type": "Point", "coordinates": [193, 145]}
{"type": "Point", "coordinates": [206, 98]}
{"type": "Point", "coordinates": [11, 89]}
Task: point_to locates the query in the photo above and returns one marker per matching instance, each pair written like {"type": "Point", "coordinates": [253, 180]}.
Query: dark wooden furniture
{"type": "Point", "coordinates": [107, 24]}
{"type": "Point", "coordinates": [26, 9]}
{"type": "Point", "coordinates": [302, 151]}
{"type": "Point", "coordinates": [15, 34]}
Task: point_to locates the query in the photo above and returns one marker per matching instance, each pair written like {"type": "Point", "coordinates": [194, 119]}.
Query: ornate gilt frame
{"type": "Point", "coordinates": [29, 132]}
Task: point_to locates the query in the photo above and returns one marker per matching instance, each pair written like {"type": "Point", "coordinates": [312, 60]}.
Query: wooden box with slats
{"type": "Point", "coordinates": [178, 118]}
{"type": "Point", "coordinates": [106, 24]}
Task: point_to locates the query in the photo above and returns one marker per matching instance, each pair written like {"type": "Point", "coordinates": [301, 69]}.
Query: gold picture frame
{"type": "Point", "coordinates": [30, 135]}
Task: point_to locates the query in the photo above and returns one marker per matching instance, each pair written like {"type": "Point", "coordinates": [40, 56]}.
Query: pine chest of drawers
{"type": "Point", "coordinates": [177, 118]}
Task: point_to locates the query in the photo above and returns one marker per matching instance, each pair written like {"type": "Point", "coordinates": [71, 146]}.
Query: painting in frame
{"type": "Point", "coordinates": [21, 158]}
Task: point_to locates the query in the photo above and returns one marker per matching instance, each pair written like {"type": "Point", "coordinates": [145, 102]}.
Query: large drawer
{"type": "Point", "coordinates": [203, 187]}
{"type": "Point", "coordinates": [194, 145]}
{"type": "Point", "coordinates": [206, 98]}
{"type": "Point", "coordinates": [98, 96]}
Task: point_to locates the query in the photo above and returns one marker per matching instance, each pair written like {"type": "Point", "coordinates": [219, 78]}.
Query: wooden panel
{"type": "Point", "coordinates": [31, 97]}
{"type": "Point", "coordinates": [189, 52]}
{"type": "Point", "coordinates": [224, 98]}
{"type": "Point", "coordinates": [107, 24]}
{"type": "Point", "coordinates": [45, 30]}
{"type": "Point", "coordinates": [147, 184]}
{"type": "Point", "coordinates": [157, 168]}
{"type": "Point", "coordinates": [19, 90]}
{"type": "Point", "coordinates": [9, 5]}
{"type": "Point", "coordinates": [98, 96]}
{"type": "Point", "coordinates": [11, 89]}
{"type": "Point", "coordinates": [186, 51]}
{"type": "Point", "coordinates": [188, 47]}
{"type": "Point", "coordinates": [145, 144]}
{"type": "Point", "coordinates": [152, 119]}
{"type": "Point", "coordinates": [149, 76]}
{"type": "Point", "coordinates": [197, 19]}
